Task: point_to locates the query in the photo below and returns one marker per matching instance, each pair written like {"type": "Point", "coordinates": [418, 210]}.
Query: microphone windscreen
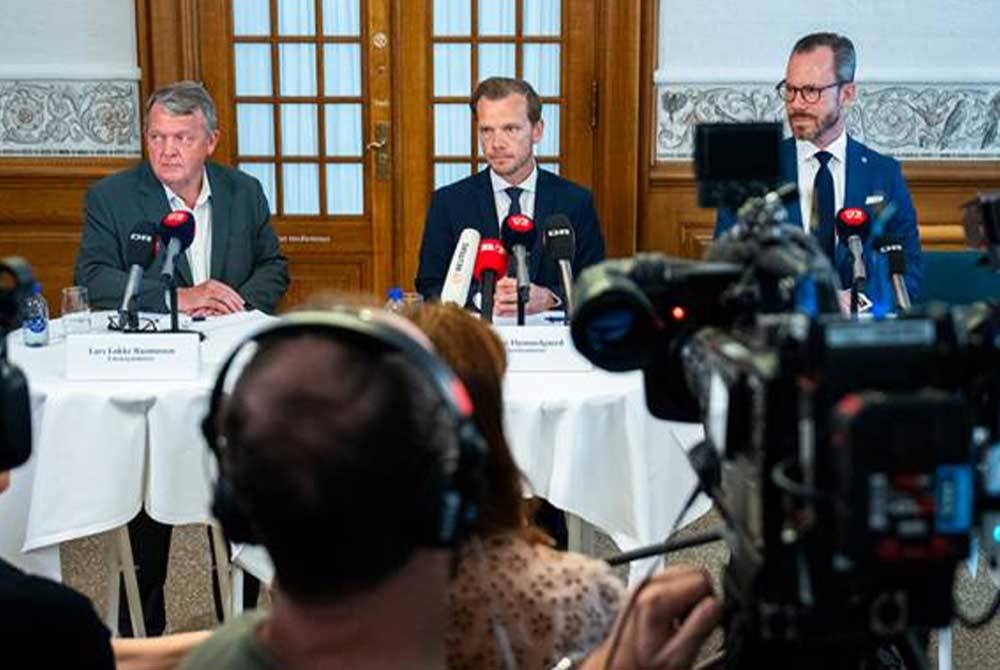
{"type": "Point", "coordinates": [558, 238]}
{"type": "Point", "coordinates": [141, 247]}
{"type": "Point", "coordinates": [491, 256]}
{"type": "Point", "coordinates": [892, 247]}
{"type": "Point", "coordinates": [518, 229]}
{"type": "Point", "coordinates": [852, 221]}
{"type": "Point", "coordinates": [177, 225]}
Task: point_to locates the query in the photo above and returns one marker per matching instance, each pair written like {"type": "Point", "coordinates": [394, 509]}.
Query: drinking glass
{"type": "Point", "coordinates": [75, 310]}
{"type": "Point", "coordinates": [412, 299]}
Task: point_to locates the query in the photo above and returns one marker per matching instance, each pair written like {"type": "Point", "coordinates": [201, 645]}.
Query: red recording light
{"type": "Point", "coordinates": [679, 313]}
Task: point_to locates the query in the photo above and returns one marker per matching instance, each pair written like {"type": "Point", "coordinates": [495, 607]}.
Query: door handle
{"type": "Point", "coordinates": [380, 145]}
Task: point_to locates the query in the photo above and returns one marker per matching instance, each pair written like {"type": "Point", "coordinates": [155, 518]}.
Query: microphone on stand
{"type": "Point", "coordinates": [176, 232]}
{"type": "Point", "coordinates": [459, 277]}
{"type": "Point", "coordinates": [559, 244]}
{"type": "Point", "coordinates": [491, 264]}
{"type": "Point", "coordinates": [891, 247]}
{"type": "Point", "coordinates": [139, 253]}
{"type": "Point", "coordinates": [853, 227]}
{"type": "Point", "coordinates": [518, 235]}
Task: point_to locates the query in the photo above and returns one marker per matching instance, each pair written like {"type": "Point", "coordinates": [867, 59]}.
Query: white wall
{"type": "Point", "coordinates": [69, 78]}
{"type": "Point", "coordinates": [928, 70]}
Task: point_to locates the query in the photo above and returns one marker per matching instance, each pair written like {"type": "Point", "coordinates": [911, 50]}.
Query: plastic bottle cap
{"type": "Point", "coordinates": [395, 293]}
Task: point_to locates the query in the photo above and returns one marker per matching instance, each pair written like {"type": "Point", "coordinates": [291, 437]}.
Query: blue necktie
{"type": "Point", "coordinates": [823, 206]}
{"type": "Point", "coordinates": [515, 200]}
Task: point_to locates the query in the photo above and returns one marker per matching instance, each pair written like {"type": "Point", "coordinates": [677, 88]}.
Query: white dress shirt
{"type": "Point", "coordinates": [502, 200]}
{"type": "Point", "coordinates": [808, 166]}
{"type": "Point", "coordinates": [199, 254]}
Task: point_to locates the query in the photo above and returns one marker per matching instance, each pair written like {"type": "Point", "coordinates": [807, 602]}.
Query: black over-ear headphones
{"type": "Point", "coordinates": [463, 474]}
{"type": "Point", "coordinates": [15, 401]}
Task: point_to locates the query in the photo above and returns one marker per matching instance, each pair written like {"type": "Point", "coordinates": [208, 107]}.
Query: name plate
{"type": "Point", "coordinates": [132, 357]}
{"type": "Point", "coordinates": [541, 349]}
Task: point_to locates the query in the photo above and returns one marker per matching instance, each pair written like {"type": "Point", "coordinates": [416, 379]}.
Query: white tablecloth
{"type": "Point", "coordinates": [104, 449]}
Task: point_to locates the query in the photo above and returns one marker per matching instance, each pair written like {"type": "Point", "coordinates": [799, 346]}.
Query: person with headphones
{"type": "Point", "coordinates": [349, 451]}
{"type": "Point", "coordinates": [346, 449]}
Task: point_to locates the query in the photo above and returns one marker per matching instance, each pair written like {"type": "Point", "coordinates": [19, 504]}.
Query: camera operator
{"type": "Point", "coordinates": [833, 171]}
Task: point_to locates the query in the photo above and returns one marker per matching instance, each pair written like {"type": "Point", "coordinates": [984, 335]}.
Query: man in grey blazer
{"type": "Point", "coordinates": [234, 262]}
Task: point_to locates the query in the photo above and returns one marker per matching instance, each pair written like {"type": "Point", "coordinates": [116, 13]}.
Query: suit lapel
{"type": "Point", "coordinates": [790, 172]}
{"type": "Point", "coordinates": [486, 221]}
{"type": "Point", "coordinates": [856, 175]}
{"type": "Point", "coordinates": [221, 203]}
{"type": "Point", "coordinates": [545, 194]}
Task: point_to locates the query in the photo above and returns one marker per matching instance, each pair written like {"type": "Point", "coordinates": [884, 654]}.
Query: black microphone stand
{"type": "Point", "coordinates": [522, 299]}
{"type": "Point", "coordinates": [172, 292]}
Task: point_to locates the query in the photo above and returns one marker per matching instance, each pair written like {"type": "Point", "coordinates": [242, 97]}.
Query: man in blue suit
{"type": "Point", "coordinates": [509, 117]}
{"type": "Point", "coordinates": [832, 170]}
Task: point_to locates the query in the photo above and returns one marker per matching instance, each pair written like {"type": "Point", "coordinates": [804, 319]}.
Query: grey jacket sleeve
{"type": "Point", "coordinates": [268, 281]}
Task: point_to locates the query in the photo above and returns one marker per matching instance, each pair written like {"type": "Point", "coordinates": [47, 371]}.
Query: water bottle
{"type": "Point", "coordinates": [395, 302]}
{"type": "Point", "coordinates": [36, 318]}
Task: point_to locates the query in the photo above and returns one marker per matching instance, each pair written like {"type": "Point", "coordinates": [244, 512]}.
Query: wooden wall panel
{"type": "Point", "coordinates": [41, 214]}
{"type": "Point", "coordinates": [674, 224]}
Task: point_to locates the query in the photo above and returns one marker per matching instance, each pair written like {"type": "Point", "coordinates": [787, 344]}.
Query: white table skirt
{"type": "Point", "coordinates": [587, 443]}
{"type": "Point", "coordinates": [103, 450]}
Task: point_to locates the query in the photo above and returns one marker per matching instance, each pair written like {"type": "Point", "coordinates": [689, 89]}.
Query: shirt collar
{"type": "Point", "coordinates": [206, 192]}
{"type": "Point", "coordinates": [529, 183]}
{"type": "Point", "coordinates": [838, 148]}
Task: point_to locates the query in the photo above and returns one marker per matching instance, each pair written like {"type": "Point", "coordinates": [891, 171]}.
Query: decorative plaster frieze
{"type": "Point", "coordinates": [69, 118]}
{"type": "Point", "coordinates": [917, 121]}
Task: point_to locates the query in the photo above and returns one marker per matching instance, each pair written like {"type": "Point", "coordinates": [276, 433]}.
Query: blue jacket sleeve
{"type": "Point", "coordinates": [435, 250]}
{"type": "Point", "coordinates": [904, 226]}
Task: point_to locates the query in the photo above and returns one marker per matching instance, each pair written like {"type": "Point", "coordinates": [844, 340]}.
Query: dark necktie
{"type": "Point", "coordinates": [823, 206]}
{"type": "Point", "coordinates": [515, 199]}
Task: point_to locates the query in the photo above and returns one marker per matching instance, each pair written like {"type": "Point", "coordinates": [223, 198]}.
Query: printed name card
{"type": "Point", "coordinates": [132, 357]}
{"type": "Point", "coordinates": [541, 349]}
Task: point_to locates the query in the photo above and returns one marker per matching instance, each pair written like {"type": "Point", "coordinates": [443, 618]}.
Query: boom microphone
{"type": "Point", "coordinates": [491, 264]}
{"type": "Point", "coordinates": [559, 244]}
{"type": "Point", "coordinates": [518, 235]}
{"type": "Point", "coordinates": [459, 277]}
{"type": "Point", "coordinates": [176, 231]}
{"type": "Point", "coordinates": [139, 253]}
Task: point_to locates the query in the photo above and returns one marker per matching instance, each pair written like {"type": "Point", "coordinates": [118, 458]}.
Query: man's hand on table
{"type": "Point", "coordinates": [540, 299]}
{"type": "Point", "coordinates": [210, 298]}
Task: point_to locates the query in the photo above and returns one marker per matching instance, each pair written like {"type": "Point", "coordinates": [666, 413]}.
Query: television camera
{"type": "Point", "coordinates": [852, 460]}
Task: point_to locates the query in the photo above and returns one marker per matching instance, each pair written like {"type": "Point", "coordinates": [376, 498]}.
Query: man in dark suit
{"type": "Point", "coordinates": [832, 170]}
{"type": "Point", "coordinates": [234, 262]}
{"type": "Point", "coordinates": [509, 117]}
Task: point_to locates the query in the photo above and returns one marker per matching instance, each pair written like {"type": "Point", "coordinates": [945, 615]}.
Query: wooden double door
{"type": "Point", "coordinates": [351, 112]}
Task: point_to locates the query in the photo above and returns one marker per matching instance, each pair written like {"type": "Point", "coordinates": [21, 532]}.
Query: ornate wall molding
{"type": "Point", "coordinates": [69, 118]}
{"type": "Point", "coordinates": [915, 121]}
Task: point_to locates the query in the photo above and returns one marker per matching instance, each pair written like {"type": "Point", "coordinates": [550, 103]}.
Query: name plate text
{"type": "Point", "coordinates": [131, 357]}
{"type": "Point", "coordinates": [541, 349]}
